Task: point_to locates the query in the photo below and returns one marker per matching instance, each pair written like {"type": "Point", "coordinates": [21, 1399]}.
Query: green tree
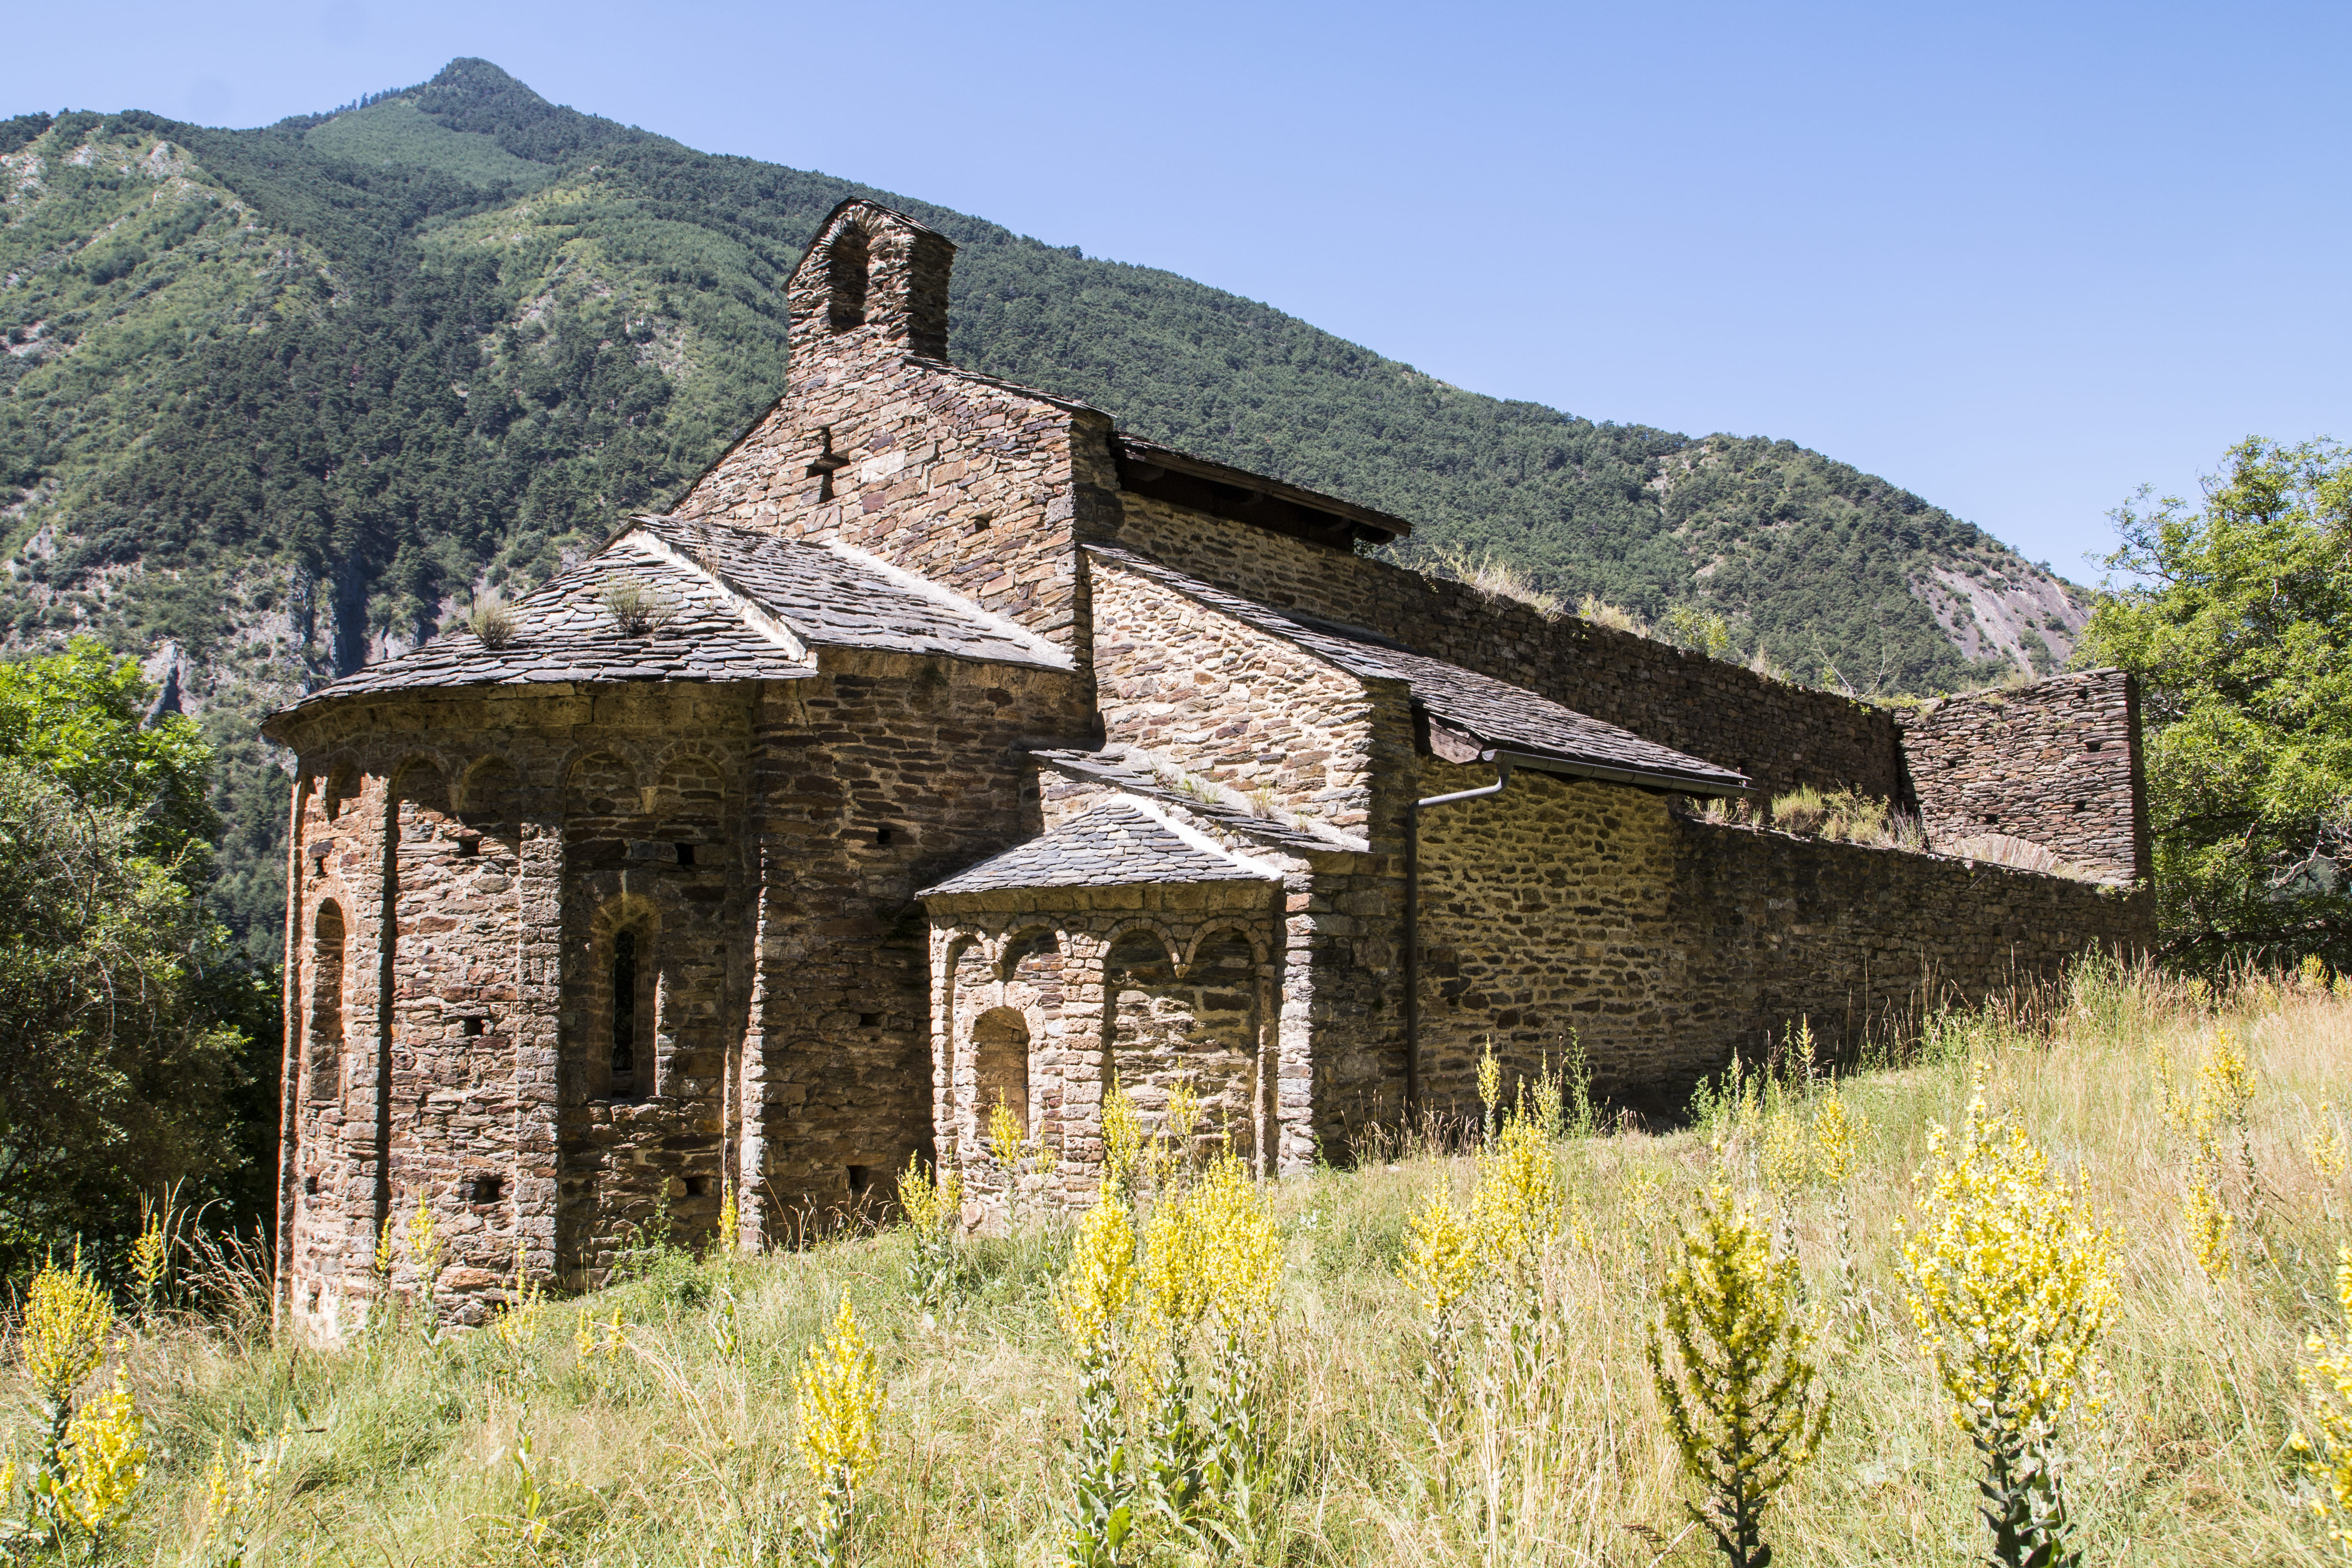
{"type": "Point", "coordinates": [80, 716]}
{"type": "Point", "coordinates": [129, 1028]}
{"type": "Point", "coordinates": [2238, 631]}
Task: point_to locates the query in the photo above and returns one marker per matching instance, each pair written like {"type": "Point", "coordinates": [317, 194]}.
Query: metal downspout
{"type": "Point", "coordinates": [1413, 923]}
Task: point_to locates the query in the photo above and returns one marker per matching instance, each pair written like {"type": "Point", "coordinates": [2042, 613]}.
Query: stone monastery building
{"type": "Point", "coordinates": [944, 744]}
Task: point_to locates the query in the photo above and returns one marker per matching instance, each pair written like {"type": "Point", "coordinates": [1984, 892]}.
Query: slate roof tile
{"type": "Point", "coordinates": [1112, 767]}
{"type": "Point", "coordinates": [1498, 715]}
{"type": "Point", "coordinates": [1116, 845]}
{"type": "Point", "coordinates": [720, 585]}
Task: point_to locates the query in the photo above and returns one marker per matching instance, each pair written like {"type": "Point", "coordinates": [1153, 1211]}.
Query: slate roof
{"type": "Point", "coordinates": [1111, 768]}
{"type": "Point", "coordinates": [1497, 714]}
{"type": "Point", "coordinates": [743, 606]}
{"type": "Point", "coordinates": [1116, 845]}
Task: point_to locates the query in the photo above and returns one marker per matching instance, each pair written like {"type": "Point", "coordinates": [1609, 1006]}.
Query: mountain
{"type": "Point", "coordinates": [274, 402]}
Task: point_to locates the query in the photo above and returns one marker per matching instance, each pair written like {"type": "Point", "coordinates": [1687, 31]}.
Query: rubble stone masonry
{"type": "Point", "coordinates": [1779, 735]}
{"type": "Point", "coordinates": [2057, 764]}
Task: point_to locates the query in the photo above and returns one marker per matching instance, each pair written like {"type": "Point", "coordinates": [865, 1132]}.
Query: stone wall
{"type": "Point", "coordinates": [1548, 918]}
{"type": "Point", "coordinates": [1230, 703]}
{"type": "Point", "coordinates": [1156, 984]}
{"type": "Point", "coordinates": [761, 843]}
{"type": "Point", "coordinates": [1781, 735]}
{"type": "Point", "coordinates": [1661, 944]}
{"type": "Point", "coordinates": [881, 444]}
{"type": "Point", "coordinates": [2057, 763]}
{"type": "Point", "coordinates": [1858, 940]}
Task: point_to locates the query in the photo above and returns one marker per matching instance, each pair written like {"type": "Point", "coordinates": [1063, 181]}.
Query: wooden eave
{"type": "Point", "coordinates": [1162, 473]}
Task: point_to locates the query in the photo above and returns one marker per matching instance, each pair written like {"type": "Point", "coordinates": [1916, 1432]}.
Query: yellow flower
{"type": "Point", "coordinates": [839, 1402]}
{"type": "Point", "coordinates": [1122, 1136]}
{"type": "Point", "coordinates": [933, 1200]}
{"type": "Point", "coordinates": [1007, 1140]}
{"type": "Point", "coordinates": [150, 1256]}
{"type": "Point", "coordinates": [1490, 1083]}
{"type": "Point", "coordinates": [1438, 1262]}
{"type": "Point", "coordinates": [1515, 1207]}
{"type": "Point", "coordinates": [2010, 1283]}
{"type": "Point", "coordinates": [1836, 1132]}
{"type": "Point", "coordinates": [2208, 1220]}
{"type": "Point", "coordinates": [1241, 1258]}
{"type": "Point", "coordinates": [516, 1323]}
{"type": "Point", "coordinates": [2225, 1084]}
{"type": "Point", "coordinates": [101, 1462]}
{"type": "Point", "coordinates": [1211, 1249]}
{"type": "Point", "coordinates": [2325, 1146]}
{"type": "Point", "coordinates": [1737, 1390]}
{"type": "Point", "coordinates": [67, 1317]}
{"type": "Point", "coordinates": [2327, 1379]}
{"type": "Point", "coordinates": [1101, 1277]}
{"type": "Point", "coordinates": [731, 1219]}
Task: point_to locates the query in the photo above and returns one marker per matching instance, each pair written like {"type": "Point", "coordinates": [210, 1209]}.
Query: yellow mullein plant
{"type": "Point", "coordinates": [2011, 1284]}
{"type": "Point", "coordinates": [933, 1204]}
{"type": "Point", "coordinates": [1440, 1266]}
{"type": "Point", "coordinates": [101, 1462]}
{"type": "Point", "coordinates": [1091, 1301]}
{"type": "Point", "coordinates": [1737, 1389]}
{"type": "Point", "coordinates": [838, 1398]}
{"type": "Point", "coordinates": [67, 1320]}
{"type": "Point", "coordinates": [2322, 1449]}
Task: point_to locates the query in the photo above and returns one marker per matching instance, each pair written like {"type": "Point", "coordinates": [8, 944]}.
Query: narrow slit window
{"type": "Point", "coordinates": [624, 1013]}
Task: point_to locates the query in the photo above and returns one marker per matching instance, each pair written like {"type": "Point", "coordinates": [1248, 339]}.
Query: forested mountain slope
{"type": "Point", "coordinates": [274, 401]}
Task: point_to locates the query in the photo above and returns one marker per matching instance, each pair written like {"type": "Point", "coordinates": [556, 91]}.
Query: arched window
{"type": "Point", "coordinates": [847, 268]}
{"type": "Point", "coordinates": [1000, 1045]}
{"type": "Point", "coordinates": [326, 1052]}
{"type": "Point", "coordinates": [625, 978]}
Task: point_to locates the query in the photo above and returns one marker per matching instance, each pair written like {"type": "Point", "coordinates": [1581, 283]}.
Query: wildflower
{"type": "Point", "coordinates": [731, 1222]}
{"type": "Point", "coordinates": [838, 1400]}
{"type": "Point", "coordinates": [2325, 1451]}
{"type": "Point", "coordinates": [2325, 1146]}
{"type": "Point", "coordinates": [1007, 1142]}
{"type": "Point", "coordinates": [149, 1254]}
{"type": "Point", "coordinates": [2011, 1286]}
{"type": "Point", "coordinates": [2208, 1220]}
{"type": "Point", "coordinates": [2225, 1084]}
{"type": "Point", "coordinates": [1438, 1263]}
{"type": "Point", "coordinates": [1515, 1207]}
{"type": "Point", "coordinates": [516, 1323]}
{"type": "Point", "coordinates": [1835, 1133]}
{"type": "Point", "coordinates": [103, 1460]}
{"type": "Point", "coordinates": [1241, 1256]}
{"type": "Point", "coordinates": [933, 1202]}
{"type": "Point", "coordinates": [1737, 1391]}
{"type": "Point", "coordinates": [1490, 1085]}
{"type": "Point", "coordinates": [67, 1318]}
{"type": "Point", "coordinates": [1122, 1136]}
{"type": "Point", "coordinates": [424, 1251]}
{"type": "Point", "coordinates": [1091, 1298]}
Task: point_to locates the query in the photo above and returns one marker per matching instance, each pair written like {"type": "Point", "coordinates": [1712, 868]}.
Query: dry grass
{"type": "Point", "coordinates": [678, 1451]}
{"type": "Point", "coordinates": [1497, 579]}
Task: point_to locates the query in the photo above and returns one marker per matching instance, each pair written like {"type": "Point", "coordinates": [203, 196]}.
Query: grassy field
{"type": "Point", "coordinates": [671, 1438]}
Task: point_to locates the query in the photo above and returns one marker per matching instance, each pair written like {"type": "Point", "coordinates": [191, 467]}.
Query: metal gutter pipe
{"type": "Point", "coordinates": [1412, 921]}
{"type": "Point", "coordinates": [1503, 762]}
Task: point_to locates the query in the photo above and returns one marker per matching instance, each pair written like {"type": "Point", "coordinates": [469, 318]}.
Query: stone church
{"type": "Point", "coordinates": [945, 745]}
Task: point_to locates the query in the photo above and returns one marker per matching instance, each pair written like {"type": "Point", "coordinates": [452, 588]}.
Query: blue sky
{"type": "Point", "coordinates": [2020, 259]}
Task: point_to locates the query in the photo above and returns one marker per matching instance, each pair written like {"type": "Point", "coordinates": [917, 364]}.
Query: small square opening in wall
{"type": "Point", "coordinates": [685, 853]}
{"type": "Point", "coordinates": [884, 835]}
{"type": "Point", "coordinates": [981, 524]}
{"type": "Point", "coordinates": [869, 1020]}
{"type": "Point", "coordinates": [698, 1186]}
{"type": "Point", "coordinates": [473, 1026]}
{"type": "Point", "coordinates": [2094, 745]}
{"type": "Point", "coordinates": [310, 1186]}
{"type": "Point", "coordinates": [468, 847]}
{"type": "Point", "coordinates": [486, 1189]}
{"type": "Point", "coordinates": [860, 1178]}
